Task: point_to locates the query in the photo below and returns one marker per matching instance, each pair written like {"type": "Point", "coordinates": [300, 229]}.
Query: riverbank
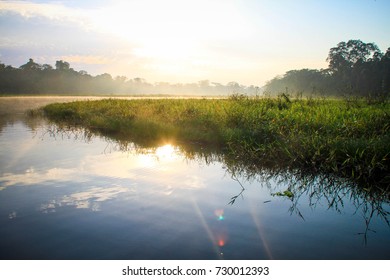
{"type": "Point", "coordinates": [343, 137]}
{"type": "Point", "coordinates": [20, 104]}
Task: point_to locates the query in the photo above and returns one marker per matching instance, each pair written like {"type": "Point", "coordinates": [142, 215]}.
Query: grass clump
{"type": "Point", "coordinates": [350, 139]}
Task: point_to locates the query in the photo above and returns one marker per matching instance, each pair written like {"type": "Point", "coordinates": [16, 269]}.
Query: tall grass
{"type": "Point", "coordinates": [350, 139]}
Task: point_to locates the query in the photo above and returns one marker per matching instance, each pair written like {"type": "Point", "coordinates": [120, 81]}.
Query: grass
{"type": "Point", "coordinates": [348, 138]}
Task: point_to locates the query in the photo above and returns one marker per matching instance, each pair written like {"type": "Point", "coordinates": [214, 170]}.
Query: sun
{"type": "Point", "coordinates": [158, 31]}
{"type": "Point", "coordinates": [171, 39]}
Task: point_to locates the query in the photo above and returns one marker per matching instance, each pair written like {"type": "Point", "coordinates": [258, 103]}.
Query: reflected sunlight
{"type": "Point", "coordinates": [153, 157]}
{"type": "Point", "coordinates": [166, 152]}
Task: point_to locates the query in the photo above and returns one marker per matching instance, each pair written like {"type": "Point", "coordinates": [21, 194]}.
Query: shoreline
{"type": "Point", "coordinates": [21, 103]}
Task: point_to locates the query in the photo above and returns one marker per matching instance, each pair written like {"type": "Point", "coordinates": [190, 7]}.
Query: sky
{"type": "Point", "coordinates": [179, 41]}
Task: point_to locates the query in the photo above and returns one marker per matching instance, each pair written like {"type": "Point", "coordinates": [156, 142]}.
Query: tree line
{"type": "Point", "coordinates": [355, 69]}
{"type": "Point", "coordinates": [35, 78]}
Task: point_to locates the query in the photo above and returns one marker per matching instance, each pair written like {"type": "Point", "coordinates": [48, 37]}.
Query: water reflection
{"type": "Point", "coordinates": [89, 199]}
{"type": "Point", "coordinates": [304, 189]}
{"type": "Point", "coordinates": [308, 190]}
{"type": "Point", "coordinates": [65, 185]}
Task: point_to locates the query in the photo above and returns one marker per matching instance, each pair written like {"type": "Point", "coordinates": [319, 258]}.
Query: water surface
{"type": "Point", "coordinates": [72, 195]}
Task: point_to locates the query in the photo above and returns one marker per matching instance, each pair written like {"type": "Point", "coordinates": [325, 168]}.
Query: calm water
{"type": "Point", "coordinates": [67, 195]}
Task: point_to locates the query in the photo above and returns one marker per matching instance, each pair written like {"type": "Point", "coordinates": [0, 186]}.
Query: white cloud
{"type": "Point", "coordinates": [87, 199]}
{"type": "Point", "coordinates": [53, 11]}
{"type": "Point", "coordinates": [170, 40]}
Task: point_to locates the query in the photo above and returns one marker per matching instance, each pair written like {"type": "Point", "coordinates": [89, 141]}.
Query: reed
{"type": "Point", "coordinates": [343, 137]}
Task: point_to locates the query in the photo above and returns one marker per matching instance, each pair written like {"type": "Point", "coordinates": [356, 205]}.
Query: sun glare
{"type": "Point", "coordinates": [170, 29]}
{"type": "Point", "coordinates": [166, 152]}
{"type": "Point", "coordinates": [157, 30]}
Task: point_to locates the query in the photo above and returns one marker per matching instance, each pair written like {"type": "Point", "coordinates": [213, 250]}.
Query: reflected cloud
{"type": "Point", "coordinates": [163, 162]}
{"type": "Point", "coordinates": [194, 182]}
{"type": "Point", "coordinates": [32, 177]}
{"type": "Point", "coordinates": [97, 194]}
{"type": "Point", "coordinates": [12, 215]}
{"type": "Point", "coordinates": [89, 199]}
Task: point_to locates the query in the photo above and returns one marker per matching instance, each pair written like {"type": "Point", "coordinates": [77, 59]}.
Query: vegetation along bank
{"type": "Point", "coordinates": [348, 138]}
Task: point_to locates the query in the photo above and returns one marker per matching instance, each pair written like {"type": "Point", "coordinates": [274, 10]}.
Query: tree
{"type": "Point", "coordinates": [385, 70]}
{"type": "Point", "coordinates": [347, 55]}
{"type": "Point", "coordinates": [354, 66]}
{"type": "Point", "coordinates": [31, 65]}
{"type": "Point", "coordinates": [304, 81]}
{"type": "Point", "coordinates": [62, 65]}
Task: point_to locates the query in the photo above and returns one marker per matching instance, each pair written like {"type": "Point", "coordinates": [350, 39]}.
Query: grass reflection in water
{"type": "Point", "coordinates": [303, 188]}
{"type": "Point", "coordinates": [348, 138]}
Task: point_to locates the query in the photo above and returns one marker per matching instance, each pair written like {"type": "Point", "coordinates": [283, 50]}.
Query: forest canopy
{"type": "Point", "coordinates": [34, 78]}
{"type": "Point", "coordinates": [355, 69]}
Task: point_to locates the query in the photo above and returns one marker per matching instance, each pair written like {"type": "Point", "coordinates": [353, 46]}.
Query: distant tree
{"type": "Point", "coordinates": [204, 84]}
{"type": "Point", "coordinates": [385, 71]}
{"type": "Point", "coordinates": [234, 87]}
{"type": "Point", "coordinates": [120, 79]}
{"type": "Point", "coordinates": [31, 65]}
{"type": "Point", "coordinates": [299, 82]}
{"type": "Point", "coordinates": [62, 65]}
{"type": "Point", "coordinates": [355, 68]}
{"type": "Point", "coordinates": [347, 55]}
{"type": "Point", "coordinates": [47, 67]}
{"type": "Point", "coordinates": [104, 77]}
{"type": "Point", "coordinates": [353, 65]}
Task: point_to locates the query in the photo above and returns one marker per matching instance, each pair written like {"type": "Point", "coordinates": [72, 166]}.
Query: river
{"type": "Point", "coordinates": [70, 194]}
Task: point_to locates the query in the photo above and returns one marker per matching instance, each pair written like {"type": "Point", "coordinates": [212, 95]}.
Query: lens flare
{"type": "Point", "coordinates": [221, 238]}
{"type": "Point", "coordinates": [220, 214]}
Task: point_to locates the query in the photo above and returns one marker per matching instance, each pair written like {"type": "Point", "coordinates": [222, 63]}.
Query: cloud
{"type": "Point", "coordinates": [48, 32]}
{"type": "Point", "coordinates": [159, 40]}
{"type": "Point", "coordinates": [51, 11]}
{"type": "Point", "coordinates": [88, 59]}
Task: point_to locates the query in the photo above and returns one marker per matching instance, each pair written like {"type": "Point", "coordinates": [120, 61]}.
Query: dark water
{"type": "Point", "coordinates": [68, 195]}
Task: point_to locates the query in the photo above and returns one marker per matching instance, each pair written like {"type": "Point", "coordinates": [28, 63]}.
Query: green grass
{"type": "Point", "coordinates": [347, 138]}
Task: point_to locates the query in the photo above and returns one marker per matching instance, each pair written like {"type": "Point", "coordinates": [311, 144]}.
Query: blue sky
{"type": "Point", "coordinates": [245, 41]}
